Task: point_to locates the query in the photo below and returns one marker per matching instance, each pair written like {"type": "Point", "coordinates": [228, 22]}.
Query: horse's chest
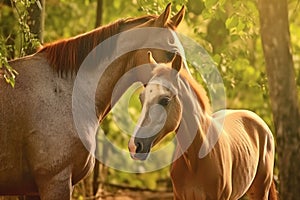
{"type": "Point", "coordinates": [186, 185]}
{"type": "Point", "coordinates": [199, 183]}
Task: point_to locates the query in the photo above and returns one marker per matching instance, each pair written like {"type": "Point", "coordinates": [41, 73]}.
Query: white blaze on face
{"type": "Point", "coordinates": [153, 115]}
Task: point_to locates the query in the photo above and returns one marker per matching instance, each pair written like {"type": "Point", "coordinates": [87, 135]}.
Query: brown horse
{"type": "Point", "coordinates": [241, 161]}
{"type": "Point", "coordinates": [41, 153]}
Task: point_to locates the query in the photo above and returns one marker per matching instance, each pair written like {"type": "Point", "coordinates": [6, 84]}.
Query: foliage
{"type": "Point", "coordinates": [24, 37]}
{"type": "Point", "coordinates": [8, 73]}
{"type": "Point", "coordinates": [157, 7]}
{"type": "Point", "coordinates": [14, 41]}
{"type": "Point", "coordinates": [68, 18]}
{"type": "Point", "coordinates": [28, 39]}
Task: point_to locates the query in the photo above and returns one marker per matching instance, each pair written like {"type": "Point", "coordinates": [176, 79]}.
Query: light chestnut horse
{"type": "Point", "coordinates": [241, 161]}
{"type": "Point", "coordinates": [41, 153]}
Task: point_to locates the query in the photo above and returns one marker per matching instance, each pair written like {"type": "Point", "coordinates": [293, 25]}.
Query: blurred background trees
{"type": "Point", "coordinates": [283, 92]}
{"type": "Point", "coordinates": [229, 30]}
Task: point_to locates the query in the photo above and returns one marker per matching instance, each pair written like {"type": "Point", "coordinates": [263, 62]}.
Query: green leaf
{"type": "Point", "coordinates": [231, 22]}
{"type": "Point", "coordinates": [9, 73]}
{"type": "Point", "coordinates": [240, 26]}
{"type": "Point", "coordinates": [207, 14]}
{"type": "Point", "coordinates": [210, 3]}
{"type": "Point", "coordinates": [217, 58]}
{"type": "Point", "coordinates": [234, 37]}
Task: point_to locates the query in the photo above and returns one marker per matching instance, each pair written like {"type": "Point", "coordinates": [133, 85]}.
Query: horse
{"type": "Point", "coordinates": [240, 162]}
{"type": "Point", "coordinates": [41, 152]}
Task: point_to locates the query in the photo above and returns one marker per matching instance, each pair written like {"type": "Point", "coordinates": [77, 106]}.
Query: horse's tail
{"type": "Point", "coordinates": [273, 192]}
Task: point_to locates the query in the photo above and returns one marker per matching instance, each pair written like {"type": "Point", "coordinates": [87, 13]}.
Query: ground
{"type": "Point", "coordinates": [122, 195]}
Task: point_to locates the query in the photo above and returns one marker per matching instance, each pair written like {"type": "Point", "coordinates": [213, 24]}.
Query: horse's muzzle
{"type": "Point", "coordinates": [137, 150]}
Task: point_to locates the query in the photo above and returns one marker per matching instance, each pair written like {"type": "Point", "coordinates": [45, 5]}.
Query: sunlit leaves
{"type": "Point", "coordinates": [158, 6]}
{"type": "Point", "coordinates": [28, 39]}
{"type": "Point", "coordinates": [72, 18]}
{"type": "Point", "coordinates": [210, 3]}
{"type": "Point", "coordinates": [15, 40]}
{"type": "Point", "coordinates": [213, 9]}
{"type": "Point", "coordinates": [6, 71]}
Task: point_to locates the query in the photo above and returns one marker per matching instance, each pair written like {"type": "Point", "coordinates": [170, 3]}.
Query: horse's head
{"type": "Point", "coordinates": [156, 31]}
{"type": "Point", "coordinates": [137, 37]}
{"type": "Point", "coordinates": [162, 109]}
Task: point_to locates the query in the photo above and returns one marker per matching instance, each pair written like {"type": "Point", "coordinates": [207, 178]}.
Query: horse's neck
{"type": "Point", "coordinates": [189, 145]}
{"type": "Point", "coordinates": [106, 86]}
{"type": "Point", "coordinates": [192, 131]}
{"type": "Point", "coordinates": [115, 81]}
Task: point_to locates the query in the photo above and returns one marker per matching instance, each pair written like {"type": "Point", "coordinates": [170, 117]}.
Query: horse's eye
{"type": "Point", "coordinates": [169, 56]}
{"type": "Point", "coordinates": [164, 101]}
{"type": "Point", "coordinates": [172, 40]}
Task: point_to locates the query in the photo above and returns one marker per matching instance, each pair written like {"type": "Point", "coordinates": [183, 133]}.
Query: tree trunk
{"type": "Point", "coordinates": [99, 13]}
{"type": "Point", "coordinates": [101, 170]}
{"type": "Point", "coordinates": [36, 18]}
{"type": "Point", "coordinates": [97, 175]}
{"type": "Point", "coordinates": [283, 93]}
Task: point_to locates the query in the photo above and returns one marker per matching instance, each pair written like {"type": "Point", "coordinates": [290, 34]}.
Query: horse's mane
{"type": "Point", "coordinates": [66, 55]}
{"type": "Point", "coordinates": [198, 89]}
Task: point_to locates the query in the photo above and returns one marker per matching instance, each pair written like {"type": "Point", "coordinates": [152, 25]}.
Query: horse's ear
{"type": "Point", "coordinates": [177, 19]}
{"type": "Point", "coordinates": [150, 58]}
{"type": "Point", "coordinates": [163, 19]}
{"type": "Point", "coordinates": [177, 62]}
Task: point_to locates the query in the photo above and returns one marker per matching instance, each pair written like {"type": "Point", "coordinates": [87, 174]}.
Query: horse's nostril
{"type": "Point", "coordinates": [139, 147]}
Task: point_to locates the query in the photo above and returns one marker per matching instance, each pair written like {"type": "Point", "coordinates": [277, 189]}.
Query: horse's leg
{"type": "Point", "coordinates": [259, 189]}
{"type": "Point", "coordinates": [56, 191]}
{"type": "Point", "coordinates": [58, 187]}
